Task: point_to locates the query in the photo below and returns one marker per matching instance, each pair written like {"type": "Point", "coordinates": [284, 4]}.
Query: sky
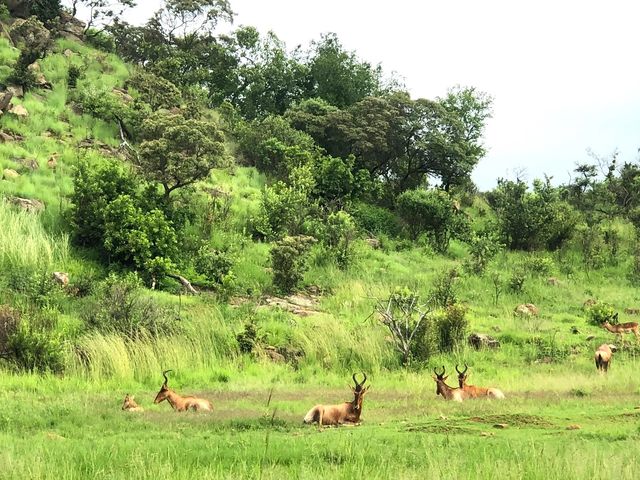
{"type": "Point", "coordinates": [564, 74]}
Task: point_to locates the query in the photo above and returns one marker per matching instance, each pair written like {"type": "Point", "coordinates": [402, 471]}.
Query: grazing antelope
{"type": "Point", "coordinates": [603, 357]}
{"type": "Point", "coordinates": [620, 328]}
{"type": "Point", "coordinates": [449, 393]}
{"type": "Point", "coordinates": [347, 412]}
{"type": "Point", "coordinates": [130, 404]}
{"type": "Point", "coordinates": [179, 403]}
{"type": "Point", "coordinates": [474, 392]}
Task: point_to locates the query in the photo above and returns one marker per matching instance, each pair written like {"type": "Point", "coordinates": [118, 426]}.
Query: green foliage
{"type": "Point", "coordinates": [248, 338]}
{"type": "Point", "coordinates": [451, 327]}
{"type": "Point", "coordinates": [143, 239]}
{"type": "Point", "coordinates": [482, 249]}
{"type": "Point", "coordinates": [4, 12]}
{"type": "Point", "coordinates": [120, 304]}
{"type": "Point", "coordinates": [532, 220]}
{"type": "Point", "coordinates": [444, 292]}
{"type": "Point", "coordinates": [430, 211]}
{"type": "Point", "coordinates": [634, 274]}
{"type": "Point", "coordinates": [45, 10]}
{"type": "Point", "coordinates": [374, 219]}
{"type": "Point", "coordinates": [517, 280]}
{"type": "Point", "coordinates": [73, 74]}
{"type": "Point", "coordinates": [592, 246]}
{"type": "Point", "coordinates": [32, 39]}
{"type": "Point", "coordinates": [599, 312]}
{"type": "Point", "coordinates": [539, 265]}
{"type": "Point", "coordinates": [157, 92]}
{"type": "Point", "coordinates": [340, 232]}
{"type": "Point", "coordinates": [214, 265]}
{"type": "Point", "coordinates": [176, 151]}
{"type": "Point", "coordinates": [289, 261]}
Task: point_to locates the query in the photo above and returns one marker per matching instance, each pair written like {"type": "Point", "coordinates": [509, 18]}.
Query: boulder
{"type": "Point", "coordinates": [19, 8]}
{"type": "Point", "coordinates": [71, 25]}
{"type": "Point", "coordinates": [373, 243]}
{"type": "Point", "coordinates": [632, 311]}
{"type": "Point", "coordinates": [19, 111]}
{"type": "Point", "coordinates": [68, 53]}
{"type": "Point", "coordinates": [5, 100]}
{"type": "Point", "coordinates": [122, 95]}
{"type": "Point", "coordinates": [52, 163]}
{"type": "Point", "coordinates": [17, 90]}
{"type": "Point", "coordinates": [553, 281]}
{"type": "Point", "coordinates": [273, 355]}
{"type": "Point", "coordinates": [526, 310]}
{"type": "Point", "coordinates": [61, 278]}
{"type": "Point", "coordinates": [9, 173]}
{"type": "Point", "coordinates": [30, 33]}
{"type": "Point", "coordinates": [40, 80]}
{"type": "Point", "coordinates": [481, 340]}
{"type": "Point", "coordinates": [28, 204]}
{"type": "Point", "coordinates": [30, 163]}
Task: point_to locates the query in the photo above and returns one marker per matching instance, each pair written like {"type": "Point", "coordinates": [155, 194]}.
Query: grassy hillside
{"type": "Point", "coordinates": [69, 425]}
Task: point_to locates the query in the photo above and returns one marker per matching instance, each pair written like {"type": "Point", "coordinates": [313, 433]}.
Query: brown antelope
{"type": "Point", "coordinates": [603, 357]}
{"type": "Point", "coordinates": [474, 392]}
{"type": "Point", "coordinates": [621, 328]}
{"type": "Point", "coordinates": [130, 404]}
{"type": "Point", "coordinates": [178, 402]}
{"type": "Point", "coordinates": [347, 412]}
{"type": "Point", "coordinates": [449, 393]}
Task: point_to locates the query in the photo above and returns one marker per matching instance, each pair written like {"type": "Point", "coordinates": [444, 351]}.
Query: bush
{"type": "Point", "coordinates": [539, 265]}
{"type": "Point", "coordinates": [482, 249]}
{"type": "Point", "coordinates": [119, 305]}
{"type": "Point", "coordinates": [452, 327]}
{"type": "Point", "coordinates": [248, 338]}
{"type": "Point", "coordinates": [443, 293]}
{"type": "Point", "coordinates": [340, 232]}
{"type": "Point", "coordinates": [73, 74]}
{"type": "Point", "coordinates": [592, 246]}
{"type": "Point", "coordinates": [289, 260]}
{"type": "Point", "coordinates": [517, 280]}
{"type": "Point", "coordinates": [36, 349]}
{"type": "Point", "coordinates": [45, 10]}
{"type": "Point", "coordinates": [375, 220]}
{"type": "Point", "coordinates": [214, 265]}
{"type": "Point", "coordinates": [600, 312]}
{"type": "Point", "coordinates": [38, 287]}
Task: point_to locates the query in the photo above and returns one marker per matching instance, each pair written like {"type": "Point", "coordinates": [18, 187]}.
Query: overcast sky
{"type": "Point", "coordinates": [564, 74]}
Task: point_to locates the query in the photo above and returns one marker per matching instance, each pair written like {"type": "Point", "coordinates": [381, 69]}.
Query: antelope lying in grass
{"type": "Point", "coordinates": [130, 404]}
{"type": "Point", "coordinates": [473, 391]}
{"type": "Point", "coordinates": [621, 328]}
{"type": "Point", "coordinates": [603, 357]}
{"type": "Point", "coordinates": [347, 412]}
{"type": "Point", "coordinates": [449, 393]}
{"type": "Point", "coordinates": [178, 402]}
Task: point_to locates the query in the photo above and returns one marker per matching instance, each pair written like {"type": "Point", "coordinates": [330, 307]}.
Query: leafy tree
{"type": "Point", "coordinates": [101, 13]}
{"type": "Point", "coordinates": [289, 259]}
{"type": "Point", "coordinates": [176, 152]}
{"type": "Point", "coordinates": [45, 10]}
{"type": "Point", "coordinates": [155, 91]}
{"type": "Point", "coordinates": [429, 211]}
{"type": "Point", "coordinates": [340, 233]}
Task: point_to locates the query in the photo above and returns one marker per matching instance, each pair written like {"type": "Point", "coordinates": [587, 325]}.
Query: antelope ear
{"type": "Point", "coordinates": [445, 377]}
{"type": "Point", "coordinates": [434, 377]}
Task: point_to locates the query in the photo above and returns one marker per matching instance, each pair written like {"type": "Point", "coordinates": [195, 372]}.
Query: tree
{"type": "Point", "coordinates": [101, 12]}
{"type": "Point", "coordinates": [177, 152]}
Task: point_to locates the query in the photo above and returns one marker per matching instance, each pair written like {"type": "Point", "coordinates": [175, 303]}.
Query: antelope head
{"type": "Point", "coordinates": [164, 389]}
{"type": "Point", "coordinates": [440, 379]}
{"type": "Point", "coordinates": [358, 391]}
{"type": "Point", "coordinates": [129, 402]}
{"type": "Point", "coordinates": [462, 375]}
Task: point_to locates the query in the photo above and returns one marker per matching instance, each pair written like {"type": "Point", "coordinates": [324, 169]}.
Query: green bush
{"type": "Point", "coordinates": [289, 260]}
{"type": "Point", "coordinates": [119, 304]}
{"type": "Point", "coordinates": [73, 74]}
{"type": "Point", "coordinates": [375, 220]}
{"type": "Point", "coordinates": [45, 10]}
{"type": "Point", "coordinates": [451, 327]}
{"type": "Point", "coordinates": [214, 265]}
{"type": "Point", "coordinates": [598, 313]}
{"type": "Point", "coordinates": [340, 233]}
{"type": "Point", "coordinates": [443, 292]}
{"type": "Point", "coordinates": [539, 265]}
{"type": "Point", "coordinates": [483, 247]}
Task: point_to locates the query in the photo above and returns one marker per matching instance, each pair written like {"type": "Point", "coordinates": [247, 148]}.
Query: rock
{"type": "Point", "coordinates": [123, 95]}
{"type": "Point", "coordinates": [30, 33]}
{"type": "Point", "coordinates": [68, 53]}
{"type": "Point", "coordinates": [590, 337]}
{"type": "Point", "coordinates": [19, 8]}
{"type": "Point", "coordinates": [5, 100]}
{"type": "Point", "coordinates": [17, 90]}
{"type": "Point", "coordinates": [28, 204]}
{"type": "Point", "coordinates": [500, 426]}
{"type": "Point", "coordinates": [71, 25]}
{"type": "Point", "coordinates": [575, 426]}
{"type": "Point", "coordinates": [19, 111]}
{"type": "Point", "coordinates": [9, 174]}
{"type": "Point", "coordinates": [486, 434]}
{"type": "Point", "coordinates": [30, 163]}
{"type": "Point", "coordinates": [575, 330]}
{"type": "Point", "coordinates": [481, 340]}
{"type": "Point", "coordinates": [553, 281]}
{"type": "Point", "coordinates": [273, 355]}
{"type": "Point", "coordinates": [588, 303]}
{"type": "Point", "coordinates": [373, 243]}
{"type": "Point", "coordinates": [526, 310]}
{"type": "Point", "coordinates": [5, 137]}
{"type": "Point", "coordinates": [40, 80]}
{"type": "Point", "coordinates": [52, 163]}
{"type": "Point", "coordinates": [632, 311]}
{"type": "Point", "coordinates": [61, 278]}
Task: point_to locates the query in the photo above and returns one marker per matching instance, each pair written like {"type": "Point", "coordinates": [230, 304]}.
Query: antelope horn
{"type": "Point", "coordinates": [438, 374]}
{"type": "Point", "coordinates": [164, 374]}
{"type": "Point", "coordinates": [355, 381]}
{"type": "Point", "coordinates": [365, 378]}
{"type": "Point", "coordinates": [465, 368]}
{"type": "Point", "coordinates": [457, 370]}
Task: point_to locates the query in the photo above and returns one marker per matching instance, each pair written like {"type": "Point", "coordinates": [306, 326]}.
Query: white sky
{"type": "Point", "coordinates": [564, 74]}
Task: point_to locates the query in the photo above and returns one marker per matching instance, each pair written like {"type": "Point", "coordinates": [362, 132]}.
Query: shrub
{"type": "Point", "coordinates": [443, 293]}
{"type": "Point", "coordinates": [154, 90]}
{"type": "Point", "coordinates": [592, 246]}
{"type": "Point", "coordinates": [634, 274]}
{"type": "Point", "coordinates": [248, 338]}
{"type": "Point", "coordinates": [340, 232]}
{"type": "Point", "coordinates": [73, 74]}
{"type": "Point", "coordinates": [539, 265]}
{"type": "Point", "coordinates": [452, 327]}
{"type": "Point", "coordinates": [600, 312]}
{"type": "Point", "coordinates": [375, 220]}
{"type": "Point", "coordinates": [36, 349]}
{"type": "Point", "coordinates": [517, 281]}
{"type": "Point", "coordinates": [482, 249]}
{"type": "Point", "coordinates": [9, 322]}
{"type": "Point", "coordinates": [45, 10]}
{"type": "Point", "coordinates": [214, 265]}
{"type": "Point", "coordinates": [289, 260]}
{"type": "Point", "coordinates": [120, 305]}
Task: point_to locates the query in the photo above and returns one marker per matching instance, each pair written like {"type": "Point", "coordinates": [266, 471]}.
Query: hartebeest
{"type": "Point", "coordinates": [603, 357]}
{"type": "Point", "coordinates": [178, 402]}
{"type": "Point", "coordinates": [621, 328]}
{"type": "Point", "coordinates": [474, 392]}
{"type": "Point", "coordinates": [449, 393]}
{"type": "Point", "coordinates": [130, 404]}
{"type": "Point", "coordinates": [347, 412]}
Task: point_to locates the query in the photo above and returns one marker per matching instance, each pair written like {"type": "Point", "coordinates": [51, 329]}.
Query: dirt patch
{"type": "Point", "coordinates": [443, 428]}
{"type": "Point", "coordinates": [515, 419]}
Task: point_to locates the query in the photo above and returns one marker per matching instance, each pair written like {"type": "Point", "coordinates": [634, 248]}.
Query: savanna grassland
{"type": "Point", "coordinates": [69, 358]}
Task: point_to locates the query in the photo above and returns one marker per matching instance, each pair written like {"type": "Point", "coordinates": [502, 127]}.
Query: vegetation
{"type": "Point", "coordinates": [178, 192]}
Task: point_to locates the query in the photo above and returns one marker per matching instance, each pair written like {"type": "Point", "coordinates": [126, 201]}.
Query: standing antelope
{"type": "Point", "coordinates": [474, 392]}
{"type": "Point", "coordinates": [449, 393]}
{"type": "Point", "coordinates": [179, 403]}
{"type": "Point", "coordinates": [603, 357]}
{"type": "Point", "coordinates": [347, 412]}
{"type": "Point", "coordinates": [621, 328]}
{"type": "Point", "coordinates": [130, 404]}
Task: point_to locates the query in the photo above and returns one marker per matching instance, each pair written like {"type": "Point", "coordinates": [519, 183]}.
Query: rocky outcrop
{"type": "Point", "coordinates": [481, 340]}
{"type": "Point", "coordinates": [28, 204]}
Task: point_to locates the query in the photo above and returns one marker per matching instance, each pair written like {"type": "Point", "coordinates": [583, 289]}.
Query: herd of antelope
{"type": "Point", "coordinates": [348, 413]}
